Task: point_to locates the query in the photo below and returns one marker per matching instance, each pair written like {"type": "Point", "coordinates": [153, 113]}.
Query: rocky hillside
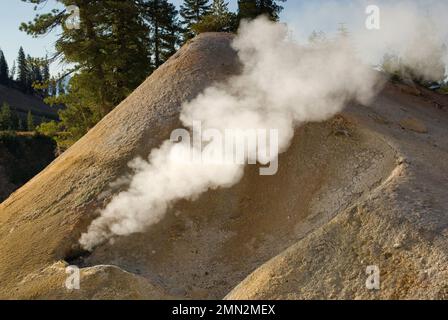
{"type": "Point", "coordinates": [366, 188]}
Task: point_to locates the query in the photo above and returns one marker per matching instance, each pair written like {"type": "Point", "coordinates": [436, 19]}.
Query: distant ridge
{"type": "Point", "coordinates": [22, 103]}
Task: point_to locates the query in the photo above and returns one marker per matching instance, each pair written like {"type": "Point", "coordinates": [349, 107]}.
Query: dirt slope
{"type": "Point", "coordinates": [365, 188]}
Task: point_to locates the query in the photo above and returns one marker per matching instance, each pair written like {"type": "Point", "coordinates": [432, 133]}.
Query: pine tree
{"type": "Point", "coordinates": [192, 11]}
{"type": "Point", "coordinates": [250, 9]}
{"type": "Point", "coordinates": [12, 72]}
{"type": "Point", "coordinates": [5, 117]}
{"type": "Point", "coordinates": [247, 9]}
{"type": "Point", "coordinates": [35, 77]}
{"type": "Point", "coordinates": [127, 62]}
{"type": "Point", "coordinates": [219, 7]}
{"type": "Point", "coordinates": [45, 76]}
{"type": "Point", "coordinates": [60, 87]}
{"type": "Point", "coordinates": [20, 126]}
{"type": "Point", "coordinates": [15, 120]}
{"type": "Point", "coordinates": [30, 121]}
{"type": "Point", "coordinates": [317, 38]}
{"type": "Point", "coordinates": [52, 87]}
{"type": "Point", "coordinates": [22, 69]}
{"type": "Point", "coordinates": [220, 19]}
{"type": "Point", "coordinates": [4, 70]}
{"type": "Point", "coordinates": [343, 31]}
{"type": "Point", "coordinates": [170, 35]}
{"type": "Point", "coordinates": [110, 54]}
{"type": "Point", "coordinates": [30, 75]}
{"type": "Point", "coordinates": [162, 17]}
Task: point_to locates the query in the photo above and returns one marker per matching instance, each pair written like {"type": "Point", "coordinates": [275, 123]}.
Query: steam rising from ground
{"type": "Point", "coordinates": [282, 85]}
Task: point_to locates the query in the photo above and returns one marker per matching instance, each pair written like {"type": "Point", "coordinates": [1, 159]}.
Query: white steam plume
{"type": "Point", "coordinates": [413, 30]}
{"type": "Point", "coordinates": [281, 86]}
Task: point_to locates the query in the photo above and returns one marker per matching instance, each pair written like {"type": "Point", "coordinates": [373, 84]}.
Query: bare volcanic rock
{"type": "Point", "coordinates": [413, 125]}
{"type": "Point", "coordinates": [351, 192]}
{"type": "Point", "coordinates": [42, 222]}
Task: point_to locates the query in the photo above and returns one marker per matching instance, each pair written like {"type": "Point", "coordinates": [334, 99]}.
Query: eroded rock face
{"type": "Point", "coordinates": [95, 283]}
{"type": "Point", "coordinates": [41, 223]}
{"type": "Point", "coordinates": [206, 247]}
{"type": "Point", "coordinates": [351, 192]}
{"type": "Point", "coordinates": [400, 226]}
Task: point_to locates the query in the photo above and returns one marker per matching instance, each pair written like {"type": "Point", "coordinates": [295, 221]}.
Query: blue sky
{"type": "Point", "coordinates": [12, 13]}
{"type": "Point", "coordinates": [302, 16]}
